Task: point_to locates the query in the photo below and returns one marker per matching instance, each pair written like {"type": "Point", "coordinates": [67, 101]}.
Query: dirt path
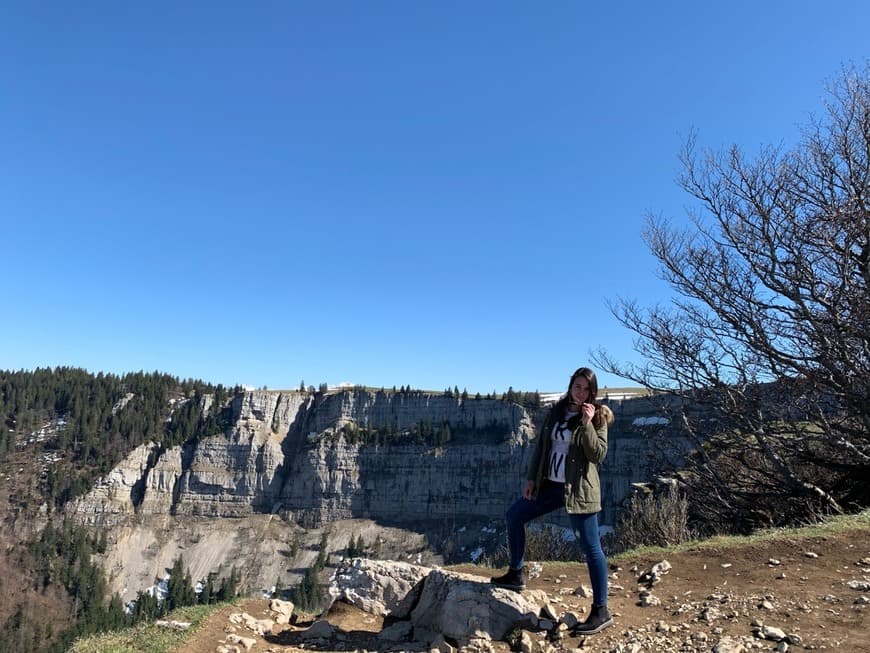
{"type": "Point", "coordinates": [799, 586]}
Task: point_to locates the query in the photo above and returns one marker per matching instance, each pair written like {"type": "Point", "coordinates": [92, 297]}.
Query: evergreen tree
{"type": "Point", "coordinates": [147, 607]}
{"type": "Point", "coordinates": [230, 586]}
{"type": "Point", "coordinates": [115, 615]}
{"type": "Point", "coordinates": [207, 594]}
{"type": "Point", "coordinates": [175, 590]}
{"type": "Point", "coordinates": [189, 591]}
{"type": "Point", "coordinates": [322, 553]}
{"type": "Point", "coordinates": [444, 434]}
{"type": "Point", "coordinates": [309, 595]}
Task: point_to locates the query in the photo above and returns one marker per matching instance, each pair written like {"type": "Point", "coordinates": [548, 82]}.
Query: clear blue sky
{"type": "Point", "coordinates": [389, 193]}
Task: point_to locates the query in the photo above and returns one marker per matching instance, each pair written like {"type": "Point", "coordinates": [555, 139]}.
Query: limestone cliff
{"type": "Point", "coordinates": [116, 495]}
{"type": "Point", "coordinates": [286, 452]}
{"type": "Point", "coordinates": [300, 457]}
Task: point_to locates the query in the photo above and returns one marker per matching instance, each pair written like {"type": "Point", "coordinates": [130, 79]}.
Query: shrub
{"type": "Point", "coordinates": [548, 542]}
{"type": "Point", "coordinates": [654, 519]}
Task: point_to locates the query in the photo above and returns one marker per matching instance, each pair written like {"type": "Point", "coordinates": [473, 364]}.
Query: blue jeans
{"type": "Point", "coordinates": [551, 496]}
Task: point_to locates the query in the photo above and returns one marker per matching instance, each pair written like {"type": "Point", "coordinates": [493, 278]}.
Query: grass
{"type": "Point", "coordinates": [146, 637]}
{"type": "Point", "coordinates": [837, 524]}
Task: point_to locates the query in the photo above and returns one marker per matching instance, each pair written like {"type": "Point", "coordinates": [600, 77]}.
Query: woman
{"type": "Point", "coordinates": [563, 473]}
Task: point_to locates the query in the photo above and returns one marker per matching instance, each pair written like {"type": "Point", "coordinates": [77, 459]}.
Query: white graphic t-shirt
{"type": "Point", "coordinates": [561, 439]}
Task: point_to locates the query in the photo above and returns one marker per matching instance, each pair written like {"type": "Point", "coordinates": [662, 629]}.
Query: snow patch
{"type": "Point", "coordinates": [650, 421]}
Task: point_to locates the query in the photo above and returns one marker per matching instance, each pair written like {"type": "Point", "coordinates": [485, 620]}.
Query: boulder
{"type": "Point", "coordinates": [381, 587]}
{"type": "Point", "coordinates": [283, 610]}
{"type": "Point", "coordinates": [463, 607]}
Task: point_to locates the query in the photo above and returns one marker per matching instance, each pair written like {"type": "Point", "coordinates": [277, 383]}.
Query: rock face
{"type": "Point", "coordinates": [286, 452]}
{"type": "Point", "coordinates": [379, 587]}
{"type": "Point", "coordinates": [464, 607]}
{"type": "Point", "coordinates": [435, 601]}
{"type": "Point", "coordinates": [334, 480]}
{"type": "Point", "coordinates": [115, 496]}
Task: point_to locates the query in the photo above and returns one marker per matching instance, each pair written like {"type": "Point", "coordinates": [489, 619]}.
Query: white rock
{"type": "Point", "coordinates": [583, 591]}
{"type": "Point", "coordinates": [177, 625]}
{"type": "Point", "coordinates": [247, 642]}
{"type": "Point", "coordinates": [534, 569]}
{"type": "Point", "coordinates": [772, 633]}
{"type": "Point", "coordinates": [282, 607]}
{"type": "Point", "coordinates": [547, 612]}
{"type": "Point", "coordinates": [647, 599]}
{"type": "Point", "coordinates": [259, 626]}
{"type": "Point", "coordinates": [662, 567]}
{"type": "Point", "coordinates": [461, 606]}
{"type": "Point", "coordinates": [228, 649]}
{"type": "Point", "coordinates": [710, 614]}
{"type": "Point", "coordinates": [381, 587]}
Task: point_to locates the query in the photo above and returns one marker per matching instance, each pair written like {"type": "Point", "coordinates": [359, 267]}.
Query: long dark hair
{"type": "Point", "coordinates": [602, 412]}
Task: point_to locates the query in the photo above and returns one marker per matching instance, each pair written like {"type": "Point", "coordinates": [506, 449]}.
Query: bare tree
{"type": "Point", "coordinates": [765, 346]}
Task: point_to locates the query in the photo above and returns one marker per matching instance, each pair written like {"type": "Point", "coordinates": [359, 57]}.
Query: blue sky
{"type": "Point", "coordinates": [388, 193]}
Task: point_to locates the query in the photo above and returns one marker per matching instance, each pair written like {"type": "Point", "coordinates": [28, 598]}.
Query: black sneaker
{"type": "Point", "coordinates": [599, 619]}
{"type": "Point", "coordinates": [514, 579]}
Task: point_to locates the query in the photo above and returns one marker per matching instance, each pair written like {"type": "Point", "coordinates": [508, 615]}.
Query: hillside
{"type": "Point", "coordinates": [716, 591]}
{"type": "Point", "coordinates": [133, 472]}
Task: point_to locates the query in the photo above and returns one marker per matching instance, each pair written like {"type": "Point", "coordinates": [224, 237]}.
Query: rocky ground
{"type": "Point", "coordinates": [781, 595]}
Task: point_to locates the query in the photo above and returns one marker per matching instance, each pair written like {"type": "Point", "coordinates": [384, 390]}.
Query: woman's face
{"type": "Point", "coordinates": [580, 390]}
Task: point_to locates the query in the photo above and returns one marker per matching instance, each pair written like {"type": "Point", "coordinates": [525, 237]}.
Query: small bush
{"type": "Point", "coordinates": [657, 519]}
{"type": "Point", "coordinates": [542, 544]}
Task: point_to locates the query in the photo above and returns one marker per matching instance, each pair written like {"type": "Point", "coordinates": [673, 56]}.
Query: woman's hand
{"type": "Point", "coordinates": [588, 413]}
{"type": "Point", "coordinates": [529, 490]}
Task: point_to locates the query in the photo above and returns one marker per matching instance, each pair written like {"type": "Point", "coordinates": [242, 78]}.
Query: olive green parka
{"type": "Point", "coordinates": [585, 452]}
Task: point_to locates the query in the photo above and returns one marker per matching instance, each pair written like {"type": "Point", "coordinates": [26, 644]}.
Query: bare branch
{"type": "Point", "coordinates": [767, 341]}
